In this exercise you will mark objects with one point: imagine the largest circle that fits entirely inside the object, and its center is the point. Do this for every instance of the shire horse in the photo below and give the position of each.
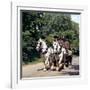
(52, 60)
(45, 52)
(57, 57)
(66, 57)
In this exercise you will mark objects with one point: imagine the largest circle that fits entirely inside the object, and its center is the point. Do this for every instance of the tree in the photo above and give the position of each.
(36, 24)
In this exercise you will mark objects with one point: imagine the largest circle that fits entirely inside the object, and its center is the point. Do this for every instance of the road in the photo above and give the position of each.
(36, 70)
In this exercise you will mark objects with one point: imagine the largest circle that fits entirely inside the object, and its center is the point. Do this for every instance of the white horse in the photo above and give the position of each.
(61, 59)
(47, 52)
(42, 46)
(67, 53)
(60, 51)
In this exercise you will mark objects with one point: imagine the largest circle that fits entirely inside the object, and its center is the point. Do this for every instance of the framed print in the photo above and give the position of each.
(48, 44)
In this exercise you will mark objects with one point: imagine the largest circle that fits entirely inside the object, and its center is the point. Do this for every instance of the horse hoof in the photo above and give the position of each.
(70, 66)
(53, 68)
(61, 66)
(44, 69)
(60, 69)
(65, 66)
(57, 68)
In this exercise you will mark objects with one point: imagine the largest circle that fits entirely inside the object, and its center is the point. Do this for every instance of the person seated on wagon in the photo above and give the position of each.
(67, 47)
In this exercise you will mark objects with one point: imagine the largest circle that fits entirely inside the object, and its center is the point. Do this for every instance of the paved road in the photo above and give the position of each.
(36, 70)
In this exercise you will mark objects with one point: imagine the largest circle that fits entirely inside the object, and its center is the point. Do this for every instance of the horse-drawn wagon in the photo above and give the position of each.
(57, 56)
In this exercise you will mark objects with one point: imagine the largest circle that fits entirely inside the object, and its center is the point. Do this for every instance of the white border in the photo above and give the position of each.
(15, 13)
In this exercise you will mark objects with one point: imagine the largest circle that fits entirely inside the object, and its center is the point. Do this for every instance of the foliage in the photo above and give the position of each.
(36, 24)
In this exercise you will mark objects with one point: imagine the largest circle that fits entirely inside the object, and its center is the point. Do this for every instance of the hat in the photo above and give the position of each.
(43, 37)
(55, 37)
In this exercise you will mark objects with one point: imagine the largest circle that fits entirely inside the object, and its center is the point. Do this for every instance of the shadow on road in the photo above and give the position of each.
(75, 70)
(73, 73)
(75, 67)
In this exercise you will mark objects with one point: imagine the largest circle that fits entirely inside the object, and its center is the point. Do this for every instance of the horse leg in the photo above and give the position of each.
(60, 64)
(57, 66)
(46, 64)
(70, 60)
(66, 61)
(52, 65)
(70, 57)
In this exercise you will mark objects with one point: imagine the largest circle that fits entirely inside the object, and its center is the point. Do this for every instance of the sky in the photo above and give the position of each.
(76, 18)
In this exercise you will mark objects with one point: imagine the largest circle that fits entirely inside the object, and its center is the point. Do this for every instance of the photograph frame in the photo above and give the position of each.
(16, 80)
